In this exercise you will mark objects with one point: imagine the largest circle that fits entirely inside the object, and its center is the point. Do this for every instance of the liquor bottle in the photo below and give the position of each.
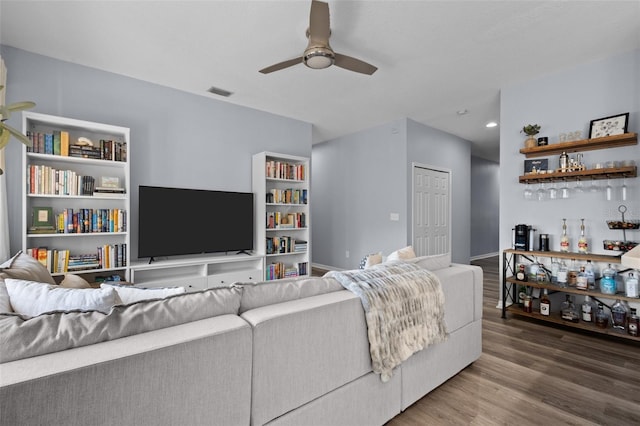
(572, 275)
(583, 245)
(555, 267)
(631, 285)
(541, 275)
(568, 310)
(545, 304)
(619, 314)
(581, 280)
(634, 323)
(521, 275)
(533, 272)
(589, 310)
(564, 240)
(608, 281)
(591, 275)
(602, 319)
(563, 274)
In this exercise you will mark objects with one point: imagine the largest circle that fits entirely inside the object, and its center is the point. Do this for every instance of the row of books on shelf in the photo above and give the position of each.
(283, 170)
(58, 143)
(279, 270)
(279, 220)
(287, 196)
(285, 244)
(58, 261)
(45, 180)
(81, 221)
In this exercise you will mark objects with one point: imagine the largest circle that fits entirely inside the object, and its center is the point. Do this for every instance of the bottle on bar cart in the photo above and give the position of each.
(583, 245)
(568, 310)
(564, 240)
(545, 304)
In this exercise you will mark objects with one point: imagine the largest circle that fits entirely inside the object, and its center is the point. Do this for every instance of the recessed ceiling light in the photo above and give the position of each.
(463, 111)
(492, 124)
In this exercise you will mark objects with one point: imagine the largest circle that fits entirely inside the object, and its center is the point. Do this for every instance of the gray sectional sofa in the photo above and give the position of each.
(291, 352)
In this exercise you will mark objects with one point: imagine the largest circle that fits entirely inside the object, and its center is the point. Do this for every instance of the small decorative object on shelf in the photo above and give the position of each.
(609, 126)
(624, 225)
(530, 130)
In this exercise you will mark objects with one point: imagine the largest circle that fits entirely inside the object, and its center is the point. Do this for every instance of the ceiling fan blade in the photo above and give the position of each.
(353, 64)
(319, 29)
(281, 65)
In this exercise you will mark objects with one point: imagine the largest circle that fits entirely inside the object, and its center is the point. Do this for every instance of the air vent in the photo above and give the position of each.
(219, 92)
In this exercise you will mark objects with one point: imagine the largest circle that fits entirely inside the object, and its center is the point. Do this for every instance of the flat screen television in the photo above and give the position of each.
(180, 221)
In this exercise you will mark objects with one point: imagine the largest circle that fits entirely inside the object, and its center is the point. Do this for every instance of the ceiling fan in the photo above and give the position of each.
(319, 54)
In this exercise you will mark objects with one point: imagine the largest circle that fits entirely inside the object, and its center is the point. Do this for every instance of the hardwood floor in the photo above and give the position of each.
(531, 373)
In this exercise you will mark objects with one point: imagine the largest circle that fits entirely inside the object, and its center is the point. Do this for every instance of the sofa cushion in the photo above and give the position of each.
(74, 281)
(31, 298)
(432, 262)
(24, 267)
(402, 254)
(5, 305)
(22, 337)
(255, 295)
(129, 294)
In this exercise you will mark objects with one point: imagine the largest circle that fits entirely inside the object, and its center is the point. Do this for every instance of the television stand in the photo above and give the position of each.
(198, 272)
(244, 252)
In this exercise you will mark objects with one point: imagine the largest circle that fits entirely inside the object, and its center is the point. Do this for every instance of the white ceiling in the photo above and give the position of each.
(434, 58)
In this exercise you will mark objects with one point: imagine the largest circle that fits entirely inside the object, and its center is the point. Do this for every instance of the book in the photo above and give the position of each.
(56, 142)
(64, 143)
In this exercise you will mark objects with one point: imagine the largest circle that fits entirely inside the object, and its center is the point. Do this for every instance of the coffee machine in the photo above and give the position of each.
(523, 237)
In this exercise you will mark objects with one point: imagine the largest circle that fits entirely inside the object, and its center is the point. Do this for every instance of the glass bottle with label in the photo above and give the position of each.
(608, 280)
(631, 285)
(572, 279)
(589, 310)
(591, 275)
(564, 240)
(555, 266)
(583, 245)
(619, 314)
(581, 281)
(541, 275)
(634, 323)
(545, 304)
(568, 310)
(602, 318)
(563, 274)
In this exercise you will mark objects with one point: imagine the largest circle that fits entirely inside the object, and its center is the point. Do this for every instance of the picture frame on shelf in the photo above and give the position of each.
(609, 126)
(42, 218)
(538, 165)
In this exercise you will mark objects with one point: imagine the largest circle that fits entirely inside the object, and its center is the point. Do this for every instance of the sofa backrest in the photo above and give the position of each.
(256, 295)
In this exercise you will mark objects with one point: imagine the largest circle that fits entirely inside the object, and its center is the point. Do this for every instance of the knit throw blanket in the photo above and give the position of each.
(404, 311)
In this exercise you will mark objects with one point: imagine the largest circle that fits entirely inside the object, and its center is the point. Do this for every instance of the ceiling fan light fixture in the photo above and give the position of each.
(318, 58)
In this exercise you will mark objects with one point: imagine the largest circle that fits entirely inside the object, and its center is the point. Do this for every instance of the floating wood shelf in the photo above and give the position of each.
(610, 173)
(616, 141)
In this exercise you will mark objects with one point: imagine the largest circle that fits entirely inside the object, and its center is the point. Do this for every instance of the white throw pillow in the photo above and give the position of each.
(32, 298)
(130, 294)
(402, 254)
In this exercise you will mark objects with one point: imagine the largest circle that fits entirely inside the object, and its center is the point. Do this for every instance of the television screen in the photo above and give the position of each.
(175, 221)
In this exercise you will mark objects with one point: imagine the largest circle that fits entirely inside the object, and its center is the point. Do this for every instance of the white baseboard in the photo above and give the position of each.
(484, 256)
(327, 267)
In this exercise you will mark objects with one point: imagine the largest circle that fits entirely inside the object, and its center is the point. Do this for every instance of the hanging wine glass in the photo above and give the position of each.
(564, 190)
(541, 193)
(608, 190)
(553, 191)
(578, 188)
(594, 186)
(623, 190)
(528, 192)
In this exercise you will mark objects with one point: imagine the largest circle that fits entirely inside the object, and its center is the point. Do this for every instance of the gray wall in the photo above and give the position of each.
(357, 181)
(177, 139)
(366, 176)
(485, 207)
(561, 102)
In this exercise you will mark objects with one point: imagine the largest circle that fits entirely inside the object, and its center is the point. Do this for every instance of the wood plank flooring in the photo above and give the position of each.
(531, 373)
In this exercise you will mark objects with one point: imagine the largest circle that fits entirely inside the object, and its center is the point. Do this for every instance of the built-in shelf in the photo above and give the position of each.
(616, 141)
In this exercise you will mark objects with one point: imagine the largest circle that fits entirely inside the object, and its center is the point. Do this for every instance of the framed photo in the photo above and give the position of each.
(42, 218)
(609, 126)
(537, 165)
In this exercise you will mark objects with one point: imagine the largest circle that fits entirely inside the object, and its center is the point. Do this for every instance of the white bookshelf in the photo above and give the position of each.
(293, 211)
(54, 196)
